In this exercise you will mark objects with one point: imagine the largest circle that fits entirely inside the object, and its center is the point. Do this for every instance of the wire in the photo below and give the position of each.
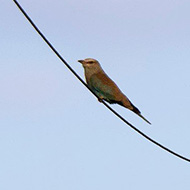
(79, 78)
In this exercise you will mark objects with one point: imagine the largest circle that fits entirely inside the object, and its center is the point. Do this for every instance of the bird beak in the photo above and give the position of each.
(81, 61)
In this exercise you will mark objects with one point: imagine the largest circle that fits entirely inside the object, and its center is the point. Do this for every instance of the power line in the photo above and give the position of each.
(79, 78)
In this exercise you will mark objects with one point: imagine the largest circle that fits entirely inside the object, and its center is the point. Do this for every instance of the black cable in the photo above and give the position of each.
(76, 75)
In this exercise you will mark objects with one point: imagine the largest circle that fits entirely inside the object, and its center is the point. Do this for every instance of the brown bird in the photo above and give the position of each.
(99, 82)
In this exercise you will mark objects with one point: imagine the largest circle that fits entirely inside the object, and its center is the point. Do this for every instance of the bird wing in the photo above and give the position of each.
(103, 86)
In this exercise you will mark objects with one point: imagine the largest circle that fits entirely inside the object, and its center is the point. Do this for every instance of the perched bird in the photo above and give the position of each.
(99, 82)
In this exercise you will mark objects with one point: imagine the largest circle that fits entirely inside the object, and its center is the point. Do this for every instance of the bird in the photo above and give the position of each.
(104, 87)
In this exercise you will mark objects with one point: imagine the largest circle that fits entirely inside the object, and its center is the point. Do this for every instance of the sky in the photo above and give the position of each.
(54, 134)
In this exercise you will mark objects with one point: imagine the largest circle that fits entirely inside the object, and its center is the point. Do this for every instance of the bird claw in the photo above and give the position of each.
(100, 100)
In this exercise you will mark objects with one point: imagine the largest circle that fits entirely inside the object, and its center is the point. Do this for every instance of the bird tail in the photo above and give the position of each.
(127, 103)
(144, 118)
(136, 110)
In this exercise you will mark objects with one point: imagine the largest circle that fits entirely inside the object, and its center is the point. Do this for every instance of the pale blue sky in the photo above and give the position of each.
(55, 135)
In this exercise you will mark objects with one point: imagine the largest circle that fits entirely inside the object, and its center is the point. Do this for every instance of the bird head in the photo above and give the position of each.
(89, 63)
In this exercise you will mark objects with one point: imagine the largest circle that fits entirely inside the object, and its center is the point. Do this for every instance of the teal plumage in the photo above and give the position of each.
(104, 87)
(98, 84)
